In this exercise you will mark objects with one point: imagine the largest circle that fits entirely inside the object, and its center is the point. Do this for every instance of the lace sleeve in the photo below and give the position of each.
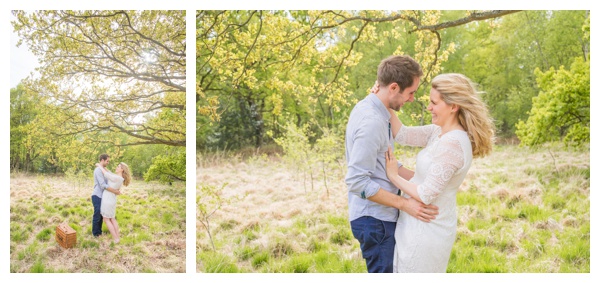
(415, 136)
(448, 158)
(112, 176)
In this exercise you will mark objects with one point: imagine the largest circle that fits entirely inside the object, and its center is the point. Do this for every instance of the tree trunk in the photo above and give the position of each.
(259, 123)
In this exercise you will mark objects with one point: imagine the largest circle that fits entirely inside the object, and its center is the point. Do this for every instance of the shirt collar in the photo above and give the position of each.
(379, 106)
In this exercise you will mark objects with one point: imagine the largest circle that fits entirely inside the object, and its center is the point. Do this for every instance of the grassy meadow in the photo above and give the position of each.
(151, 219)
(519, 210)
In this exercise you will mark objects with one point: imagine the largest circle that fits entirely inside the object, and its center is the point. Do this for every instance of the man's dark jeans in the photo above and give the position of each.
(377, 242)
(97, 219)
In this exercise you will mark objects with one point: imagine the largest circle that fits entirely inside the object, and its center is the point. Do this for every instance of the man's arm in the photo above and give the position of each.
(362, 158)
(116, 192)
(99, 178)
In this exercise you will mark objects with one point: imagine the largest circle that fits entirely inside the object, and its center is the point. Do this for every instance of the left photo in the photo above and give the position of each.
(97, 141)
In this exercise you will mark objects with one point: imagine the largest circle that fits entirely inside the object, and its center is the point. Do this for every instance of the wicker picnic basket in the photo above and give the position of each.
(66, 236)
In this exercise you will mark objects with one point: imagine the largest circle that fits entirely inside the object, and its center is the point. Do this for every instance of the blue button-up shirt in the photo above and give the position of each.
(368, 136)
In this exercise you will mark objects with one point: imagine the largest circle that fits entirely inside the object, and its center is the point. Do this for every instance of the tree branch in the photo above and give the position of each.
(474, 17)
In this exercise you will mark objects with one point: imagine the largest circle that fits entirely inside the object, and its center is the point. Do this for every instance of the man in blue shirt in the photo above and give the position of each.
(373, 201)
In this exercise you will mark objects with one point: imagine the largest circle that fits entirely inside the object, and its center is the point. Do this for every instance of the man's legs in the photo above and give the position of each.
(97, 218)
(377, 242)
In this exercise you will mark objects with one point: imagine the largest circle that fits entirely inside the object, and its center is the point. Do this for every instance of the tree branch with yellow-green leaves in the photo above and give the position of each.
(127, 67)
(235, 45)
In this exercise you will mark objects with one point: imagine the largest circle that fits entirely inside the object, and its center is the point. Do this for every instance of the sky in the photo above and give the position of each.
(22, 61)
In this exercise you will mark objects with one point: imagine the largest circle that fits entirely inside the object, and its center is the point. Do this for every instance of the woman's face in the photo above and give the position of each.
(440, 111)
(119, 169)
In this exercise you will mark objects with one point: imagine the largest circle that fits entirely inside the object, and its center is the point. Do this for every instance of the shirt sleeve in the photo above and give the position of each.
(99, 178)
(112, 176)
(362, 160)
(415, 136)
(447, 159)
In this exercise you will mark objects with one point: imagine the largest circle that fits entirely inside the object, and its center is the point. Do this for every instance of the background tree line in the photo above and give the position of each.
(264, 76)
(109, 81)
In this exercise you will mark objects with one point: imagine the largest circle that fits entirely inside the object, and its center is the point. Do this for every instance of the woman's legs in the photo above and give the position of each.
(111, 228)
(116, 225)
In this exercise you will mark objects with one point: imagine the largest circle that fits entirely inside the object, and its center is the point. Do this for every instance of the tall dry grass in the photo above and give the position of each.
(520, 210)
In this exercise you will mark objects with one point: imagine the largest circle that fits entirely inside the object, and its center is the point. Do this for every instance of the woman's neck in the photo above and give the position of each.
(454, 125)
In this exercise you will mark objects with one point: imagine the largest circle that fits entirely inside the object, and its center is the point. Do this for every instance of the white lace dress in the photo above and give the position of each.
(441, 167)
(108, 206)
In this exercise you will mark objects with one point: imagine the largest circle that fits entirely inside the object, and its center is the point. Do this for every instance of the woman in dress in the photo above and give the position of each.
(108, 207)
(461, 129)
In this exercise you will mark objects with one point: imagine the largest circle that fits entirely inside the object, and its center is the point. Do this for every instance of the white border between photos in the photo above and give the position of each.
(191, 6)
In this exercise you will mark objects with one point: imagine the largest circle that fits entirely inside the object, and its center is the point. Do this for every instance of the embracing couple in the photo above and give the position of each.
(404, 220)
(107, 186)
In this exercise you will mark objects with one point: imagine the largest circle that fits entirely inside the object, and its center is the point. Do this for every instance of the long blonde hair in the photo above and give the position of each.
(473, 114)
(126, 174)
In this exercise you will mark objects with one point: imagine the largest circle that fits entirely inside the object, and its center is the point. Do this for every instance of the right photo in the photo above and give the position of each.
(393, 141)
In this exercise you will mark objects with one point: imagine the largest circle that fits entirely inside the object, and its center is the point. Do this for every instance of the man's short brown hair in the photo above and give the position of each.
(400, 69)
(103, 156)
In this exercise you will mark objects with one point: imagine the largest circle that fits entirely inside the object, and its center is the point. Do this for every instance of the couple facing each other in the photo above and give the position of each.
(405, 221)
(107, 186)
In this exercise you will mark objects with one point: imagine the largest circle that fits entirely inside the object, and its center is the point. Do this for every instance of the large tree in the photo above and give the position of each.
(24, 108)
(110, 72)
(108, 81)
(257, 70)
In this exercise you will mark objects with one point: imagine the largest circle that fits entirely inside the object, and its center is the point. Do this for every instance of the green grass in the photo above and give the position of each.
(300, 263)
(246, 252)
(167, 217)
(518, 212)
(260, 258)
(17, 234)
(30, 252)
(89, 244)
(478, 260)
(34, 219)
(342, 237)
(218, 263)
(532, 213)
(38, 267)
(44, 235)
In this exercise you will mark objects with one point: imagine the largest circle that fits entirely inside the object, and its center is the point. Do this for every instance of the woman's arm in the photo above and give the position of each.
(395, 122)
(411, 135)
(104, 170)
(406, 173)
(109, 175)
(397, 180)
(447, 159)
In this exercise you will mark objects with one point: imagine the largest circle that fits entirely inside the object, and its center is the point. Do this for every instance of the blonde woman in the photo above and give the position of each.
(461, 129)
(108, 207)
